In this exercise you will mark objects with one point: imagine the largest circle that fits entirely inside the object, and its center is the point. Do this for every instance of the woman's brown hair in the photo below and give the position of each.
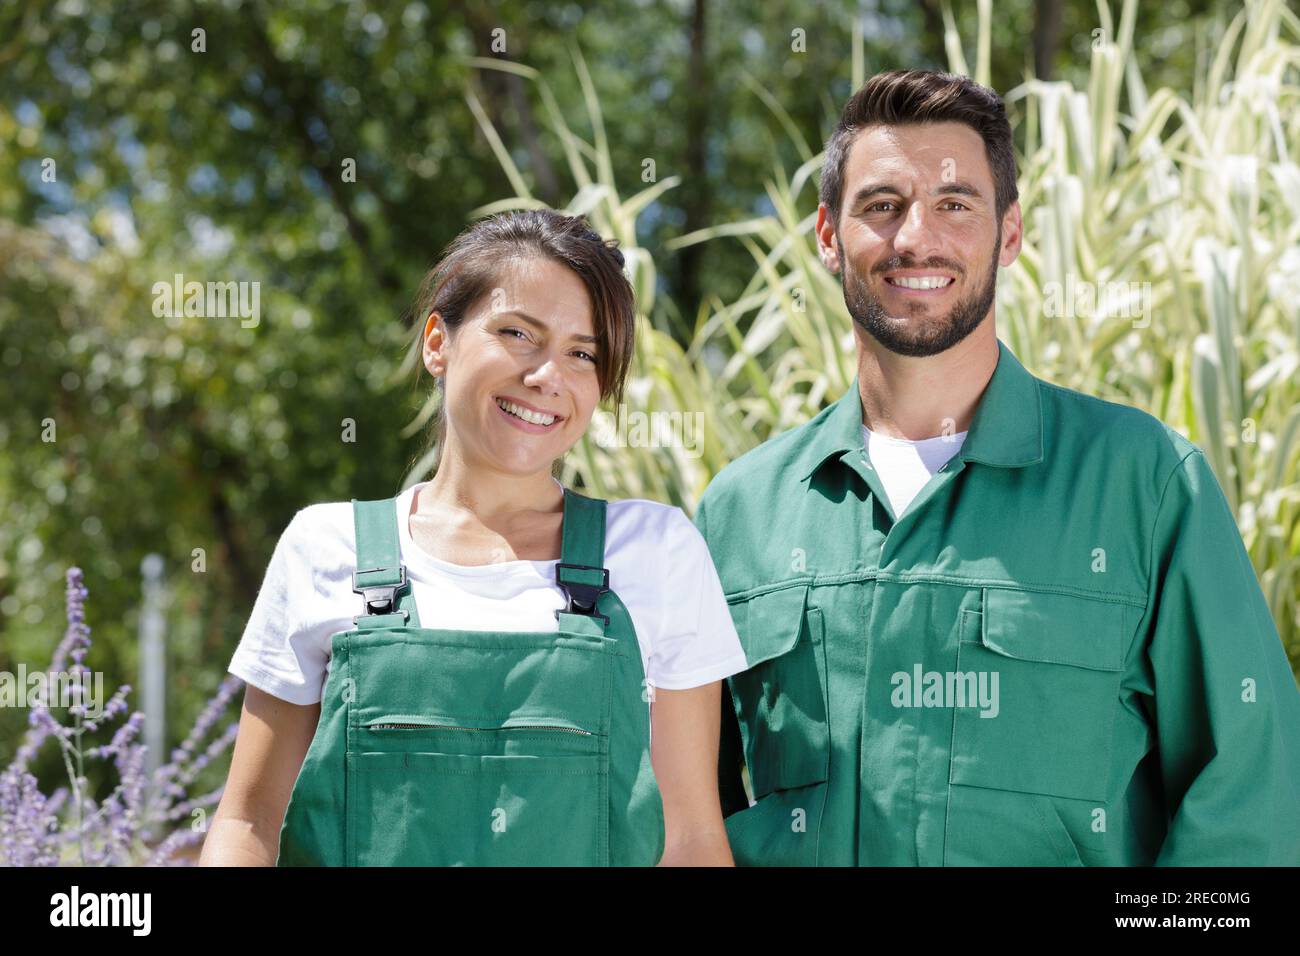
(470, 268)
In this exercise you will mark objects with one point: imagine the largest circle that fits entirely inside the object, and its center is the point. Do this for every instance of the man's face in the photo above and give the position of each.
(918, 210)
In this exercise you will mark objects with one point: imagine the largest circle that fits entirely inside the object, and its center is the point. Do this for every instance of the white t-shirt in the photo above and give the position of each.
(659, 566)
(905, 467)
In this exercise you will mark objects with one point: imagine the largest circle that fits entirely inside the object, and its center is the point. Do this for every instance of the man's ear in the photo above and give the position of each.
(434, 345)
(1012, 234)
(825, 231)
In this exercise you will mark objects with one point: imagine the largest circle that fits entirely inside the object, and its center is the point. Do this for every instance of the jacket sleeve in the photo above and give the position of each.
(731, 760)
(1225, 703)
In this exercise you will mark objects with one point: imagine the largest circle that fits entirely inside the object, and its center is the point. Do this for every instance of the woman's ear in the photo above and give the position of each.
(435, 345)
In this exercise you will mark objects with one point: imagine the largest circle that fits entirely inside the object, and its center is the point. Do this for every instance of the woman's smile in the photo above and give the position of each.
(537, 422)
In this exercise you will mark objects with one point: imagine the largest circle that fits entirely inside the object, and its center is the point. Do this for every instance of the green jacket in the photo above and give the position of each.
(1059, 655)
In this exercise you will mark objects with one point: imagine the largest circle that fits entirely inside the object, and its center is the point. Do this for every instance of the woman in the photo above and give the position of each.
(474, 672)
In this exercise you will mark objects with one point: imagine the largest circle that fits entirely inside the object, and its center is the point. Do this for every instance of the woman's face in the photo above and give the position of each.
(526, 348)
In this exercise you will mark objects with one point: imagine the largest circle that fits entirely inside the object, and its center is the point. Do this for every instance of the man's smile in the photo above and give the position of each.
(925, 284)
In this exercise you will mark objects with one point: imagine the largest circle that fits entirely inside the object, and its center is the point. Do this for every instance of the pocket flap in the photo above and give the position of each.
(1054, 628)
(769, 624)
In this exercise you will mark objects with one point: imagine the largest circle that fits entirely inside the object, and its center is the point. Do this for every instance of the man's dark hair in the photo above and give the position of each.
(904, 97)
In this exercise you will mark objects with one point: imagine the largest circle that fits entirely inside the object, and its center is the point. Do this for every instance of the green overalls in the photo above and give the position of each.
(480, 748)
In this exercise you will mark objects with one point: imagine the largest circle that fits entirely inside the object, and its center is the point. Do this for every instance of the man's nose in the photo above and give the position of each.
(916, 234)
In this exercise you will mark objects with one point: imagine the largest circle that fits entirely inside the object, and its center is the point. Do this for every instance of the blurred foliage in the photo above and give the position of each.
(185, 433)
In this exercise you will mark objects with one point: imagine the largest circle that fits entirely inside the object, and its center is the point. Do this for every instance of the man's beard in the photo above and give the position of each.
(920, 333)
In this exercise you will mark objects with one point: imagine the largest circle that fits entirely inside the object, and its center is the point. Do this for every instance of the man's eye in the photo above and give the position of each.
(953, 202)
(874, 206)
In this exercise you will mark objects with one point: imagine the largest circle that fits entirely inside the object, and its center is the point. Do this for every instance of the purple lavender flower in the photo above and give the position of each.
(133, 824)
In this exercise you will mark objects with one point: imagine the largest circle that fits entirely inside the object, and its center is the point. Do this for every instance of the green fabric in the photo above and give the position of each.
(1079, 550)
(515, 748)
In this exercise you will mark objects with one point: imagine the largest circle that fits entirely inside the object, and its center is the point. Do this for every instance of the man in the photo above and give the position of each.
(988, 620)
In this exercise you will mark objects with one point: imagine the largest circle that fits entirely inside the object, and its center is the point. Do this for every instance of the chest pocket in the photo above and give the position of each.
(781, 700)
(1058, 660)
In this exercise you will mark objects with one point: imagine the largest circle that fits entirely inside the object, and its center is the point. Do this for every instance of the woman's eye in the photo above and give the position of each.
(523, 335)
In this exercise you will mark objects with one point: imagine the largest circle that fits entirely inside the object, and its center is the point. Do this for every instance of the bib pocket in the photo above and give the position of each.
(1057, 660)
(450, 809)
(781, 699)
(514, 736)
(440, 790)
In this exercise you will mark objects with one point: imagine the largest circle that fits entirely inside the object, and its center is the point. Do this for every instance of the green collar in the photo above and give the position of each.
(1007, 430)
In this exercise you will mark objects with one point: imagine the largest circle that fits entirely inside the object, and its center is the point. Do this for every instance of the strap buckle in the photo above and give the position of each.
(582, 597)
(380, 598)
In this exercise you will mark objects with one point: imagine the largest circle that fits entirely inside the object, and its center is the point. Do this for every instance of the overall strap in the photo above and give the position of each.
(380, 577)
(581, 571)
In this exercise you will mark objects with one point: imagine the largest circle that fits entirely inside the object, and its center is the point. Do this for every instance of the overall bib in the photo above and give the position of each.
(480, 748)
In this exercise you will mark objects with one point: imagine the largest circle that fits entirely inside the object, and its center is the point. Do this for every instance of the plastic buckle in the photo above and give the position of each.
(582, 597)
(385, 599)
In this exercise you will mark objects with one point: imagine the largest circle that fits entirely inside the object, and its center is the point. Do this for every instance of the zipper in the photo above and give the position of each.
(396, 726)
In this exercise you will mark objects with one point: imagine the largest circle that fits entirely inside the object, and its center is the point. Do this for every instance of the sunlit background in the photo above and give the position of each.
(328, 152)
